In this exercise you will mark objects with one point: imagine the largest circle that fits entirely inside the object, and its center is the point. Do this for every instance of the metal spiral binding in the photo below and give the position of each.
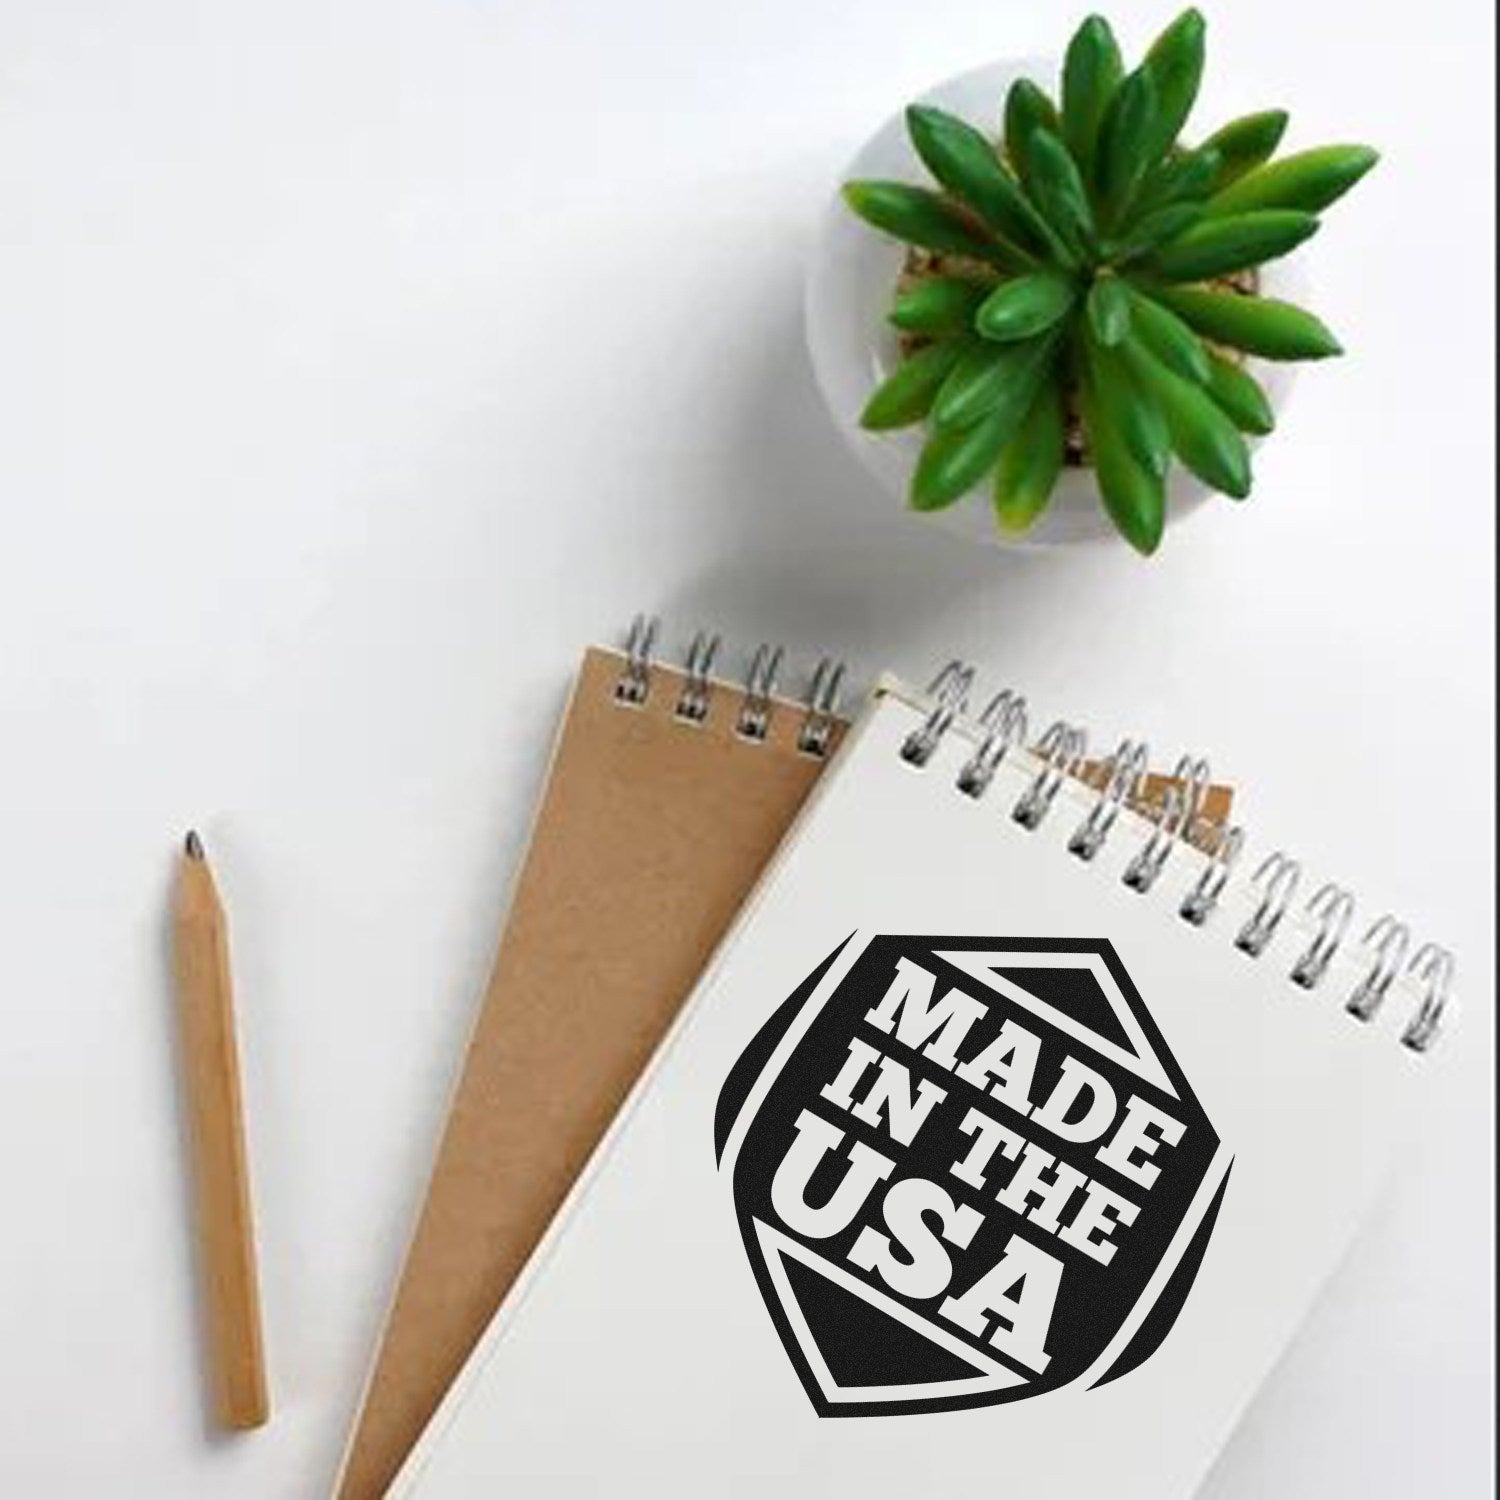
(822, 707)
(697, 691)
(1330, 910)
(753, 716)
(1279, 876)
(1123, 774)
(1433, 967)
(1004, 725)
(1333, 908)
(1175, 820)
(949, 692)
(1387, 941)
(634, 684)
(1198, 905)
(760, 685)
(1061, 750)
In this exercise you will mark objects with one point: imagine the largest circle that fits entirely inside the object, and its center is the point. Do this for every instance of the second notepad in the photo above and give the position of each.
(1005, 1144)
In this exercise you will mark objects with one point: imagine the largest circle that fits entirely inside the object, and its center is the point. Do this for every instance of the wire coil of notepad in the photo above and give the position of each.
(1330, 910)
(756, 701)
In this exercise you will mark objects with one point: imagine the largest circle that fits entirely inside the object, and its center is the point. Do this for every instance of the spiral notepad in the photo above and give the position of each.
(1001, 1149)
(669, 789)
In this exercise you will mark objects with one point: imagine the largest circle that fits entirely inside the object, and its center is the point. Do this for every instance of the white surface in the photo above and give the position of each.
(640, 1323)
(361, 361)
(851, 273)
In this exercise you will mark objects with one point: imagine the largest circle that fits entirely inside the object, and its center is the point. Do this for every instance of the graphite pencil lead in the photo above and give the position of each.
(193, 845)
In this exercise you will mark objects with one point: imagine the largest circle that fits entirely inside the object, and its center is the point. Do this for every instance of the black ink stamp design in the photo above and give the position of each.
(967, 1171)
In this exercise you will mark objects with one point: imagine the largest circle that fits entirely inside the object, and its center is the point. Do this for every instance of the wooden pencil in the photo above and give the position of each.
(216, 1125)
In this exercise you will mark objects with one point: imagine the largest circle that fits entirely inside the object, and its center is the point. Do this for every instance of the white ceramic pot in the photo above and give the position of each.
(849, 289)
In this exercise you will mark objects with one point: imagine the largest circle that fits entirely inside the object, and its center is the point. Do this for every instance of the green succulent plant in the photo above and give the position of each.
(1087, 281)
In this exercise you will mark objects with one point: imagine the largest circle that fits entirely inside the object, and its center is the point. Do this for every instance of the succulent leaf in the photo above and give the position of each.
(1134, 495)
(1258, 325)
(1175, 63)
(1058, 190)
(969, 166)
(938, 305)
(1027, 109)
(1126, 149)
(1188, 177)
(1203, 437)
(1109, 311)
(1245, 143)
(1239, 396)
(1092, 70)
(1167, 337)
(976, 381)
(954, 459)
(1219, 246)
(1028, 469)
(1026, 305)
(907, 394)
(924, 218)
(1131, 410)
(990, 376)
(1310, 181)
(1153, 229)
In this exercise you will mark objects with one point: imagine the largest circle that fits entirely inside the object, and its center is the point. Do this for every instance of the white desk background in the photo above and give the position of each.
(361, 361)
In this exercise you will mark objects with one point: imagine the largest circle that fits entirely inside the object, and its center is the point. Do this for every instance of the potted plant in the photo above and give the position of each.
(1077, 295)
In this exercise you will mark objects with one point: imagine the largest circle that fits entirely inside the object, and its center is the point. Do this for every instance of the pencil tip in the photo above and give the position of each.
(193, 845)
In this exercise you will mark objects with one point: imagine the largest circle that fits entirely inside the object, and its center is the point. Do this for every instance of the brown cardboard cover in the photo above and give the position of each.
(649, 835)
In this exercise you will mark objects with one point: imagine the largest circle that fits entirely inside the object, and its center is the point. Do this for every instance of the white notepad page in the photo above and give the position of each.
(792, 1270)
